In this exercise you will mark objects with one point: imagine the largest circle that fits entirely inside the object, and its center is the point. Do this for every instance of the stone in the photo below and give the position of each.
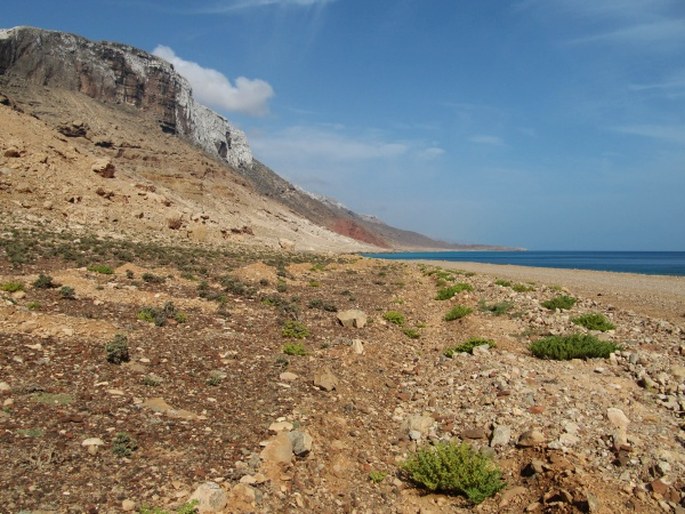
(74, 129)
(12, 152)
(617, 418)
(325, 379)
(5, 387)
(278, 450)
(211, 498)
(659, 486)
(287, 376)
(104, 168)
(242, 498)
(161, 406)
(510, 494)
(286, 244)
(92, 444)
(352, 318)
(593, 502)
(128, 505)
(473, 433)
(678, 373)
(421, 424)
(530, 438)
(501, 434)
(301, 442)
(357, 346)
(280, 426)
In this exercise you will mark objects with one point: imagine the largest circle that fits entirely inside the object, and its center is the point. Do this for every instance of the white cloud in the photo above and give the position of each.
(670, 133)
(674, 86)
(214, 89)
(485, 139)
(432, 152)
(228, 6)
(660, 31)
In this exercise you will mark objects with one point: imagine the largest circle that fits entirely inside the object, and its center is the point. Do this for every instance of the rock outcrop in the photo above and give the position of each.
(120, 74)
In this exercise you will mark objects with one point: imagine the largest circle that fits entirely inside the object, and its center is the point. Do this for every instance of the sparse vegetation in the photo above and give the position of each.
(12, 287)
(151, 278)
(117, 349)
(44, 282)
(448, 292)
(317, 303)
(575, 346)
(187, 508)
(454, 468)
(503, 283)
(411, 333)
(562, 302)
(103, 269)
(468, 346)
(67, 293)
(160, 316)
(377, 476)
(294, 329)
(394, 317)
(594, 321)
(498, 309)
(294, 349)
(523, 288)
(457, 312)
(123, 445)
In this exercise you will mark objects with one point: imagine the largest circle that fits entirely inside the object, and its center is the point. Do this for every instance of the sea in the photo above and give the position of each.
(647, 263)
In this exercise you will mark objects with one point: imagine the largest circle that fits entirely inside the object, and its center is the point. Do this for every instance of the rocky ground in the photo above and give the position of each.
(210, 405)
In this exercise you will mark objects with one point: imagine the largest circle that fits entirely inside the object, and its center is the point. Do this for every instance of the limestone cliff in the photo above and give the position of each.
(120, 74)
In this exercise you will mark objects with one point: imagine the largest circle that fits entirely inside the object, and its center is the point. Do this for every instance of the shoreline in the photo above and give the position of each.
(659, 296)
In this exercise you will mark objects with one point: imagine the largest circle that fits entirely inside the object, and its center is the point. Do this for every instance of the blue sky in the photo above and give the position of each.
(546, 124)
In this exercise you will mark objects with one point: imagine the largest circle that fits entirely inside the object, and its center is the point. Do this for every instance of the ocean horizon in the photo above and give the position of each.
(646, 263)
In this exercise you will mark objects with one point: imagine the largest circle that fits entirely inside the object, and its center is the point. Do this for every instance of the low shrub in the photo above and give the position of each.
(317, 303)
(575, 346)
(523, 288)
(123, 445)
(101, 268)
(503, 283)
(454, 468)
(294, 349)
(377, 476)
(458, 312)
(594, 321)
(560, 302)
(394, 317)
(151, 278)
(44, 282)
(67, 293)
(117, 349)
(294, 329)
(12, 287)
(411, 333)
(468, 346)
(498, 309)
(448, 292)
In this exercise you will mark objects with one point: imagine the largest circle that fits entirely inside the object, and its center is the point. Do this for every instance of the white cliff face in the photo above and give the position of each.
(114, 72)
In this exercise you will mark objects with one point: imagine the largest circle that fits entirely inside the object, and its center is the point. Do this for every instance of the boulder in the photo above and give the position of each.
(211, 498)
(352, 318)
(104, 168)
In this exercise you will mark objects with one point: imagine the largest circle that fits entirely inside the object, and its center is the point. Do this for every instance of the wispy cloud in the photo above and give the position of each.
(228, 6)
(668, 133)
(214, 89)
(673, 86)
(485, 139)
(661, 31)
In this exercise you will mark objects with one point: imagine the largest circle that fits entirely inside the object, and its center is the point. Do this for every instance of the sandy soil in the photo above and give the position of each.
(653, 295)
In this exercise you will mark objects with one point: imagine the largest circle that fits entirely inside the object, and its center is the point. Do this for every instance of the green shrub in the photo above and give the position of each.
(281, 286)
(454, 468)
(317, 303)
(498, 309)
(448, 292)
(44, 282)
(151, 278)
(12, 287)
(117, 349)
(560, 302)
(377, 476)
(67, 293)
(411, 333)
(523, 288)
(123, 445)
(294, 349)
(458, 312)
(33, 306)
(187, 508)
(394, 317)
(294, 329)
(575, 346)
(503, 283)
(101, 268)
(468, 346)
(594, 321)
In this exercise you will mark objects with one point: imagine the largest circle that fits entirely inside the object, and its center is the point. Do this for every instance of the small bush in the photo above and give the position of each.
(594, 321)
(215, 378)
(294, 329)
(503, 283)
(281, 286)
(468, 346)
(560, 302)
(377, 476)
(458, 312)
(123, 445)
(411, 333)
(448, 292)
(498, 309)
(294, 349)
(151, 278)
(394, 317)
(101, 268)
(12, 287)
(523, 288)
(33, 306)
(44, 282)
(67, 293)
(317, 303)
(575, 346)
(117, 349)
(454, 468)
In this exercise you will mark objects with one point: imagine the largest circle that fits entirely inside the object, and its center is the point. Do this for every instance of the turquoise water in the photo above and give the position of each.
(649, 263)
